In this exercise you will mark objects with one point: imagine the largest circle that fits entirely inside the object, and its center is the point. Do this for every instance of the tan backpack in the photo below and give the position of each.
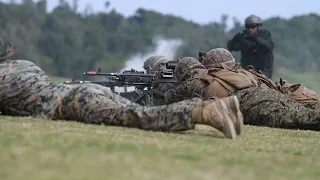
(298, 92)
(262, 79)
(224, 82)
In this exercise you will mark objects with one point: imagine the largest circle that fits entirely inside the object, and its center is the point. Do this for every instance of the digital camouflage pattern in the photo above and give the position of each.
(25, 90)
(260, 105)
(158, 93)
(184, 66)
(188, 88)
(222, 58)
(218, 57)
(188, 85)
(267, 107)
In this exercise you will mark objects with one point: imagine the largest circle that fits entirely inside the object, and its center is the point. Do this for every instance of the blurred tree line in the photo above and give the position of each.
(66, 42)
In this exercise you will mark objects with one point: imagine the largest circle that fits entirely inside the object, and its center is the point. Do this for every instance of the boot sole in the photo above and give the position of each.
(235, 107)
(229, 129)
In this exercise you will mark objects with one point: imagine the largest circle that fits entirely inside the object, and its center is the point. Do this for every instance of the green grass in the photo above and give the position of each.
(33, 149)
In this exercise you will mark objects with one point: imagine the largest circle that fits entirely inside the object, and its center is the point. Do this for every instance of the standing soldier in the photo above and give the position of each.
(255, 44)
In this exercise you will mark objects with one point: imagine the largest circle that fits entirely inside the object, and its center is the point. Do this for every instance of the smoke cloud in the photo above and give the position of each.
(164, 47)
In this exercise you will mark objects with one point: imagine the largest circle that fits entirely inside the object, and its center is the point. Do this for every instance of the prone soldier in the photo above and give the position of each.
(158, 64)
(26, 90)
(260, 105)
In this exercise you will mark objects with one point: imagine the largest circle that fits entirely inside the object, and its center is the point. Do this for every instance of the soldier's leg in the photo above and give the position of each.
(267, 107)
(313, 105)
(90, 105)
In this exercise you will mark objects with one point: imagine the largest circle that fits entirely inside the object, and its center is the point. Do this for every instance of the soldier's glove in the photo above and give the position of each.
(252, 37)
(239, 35)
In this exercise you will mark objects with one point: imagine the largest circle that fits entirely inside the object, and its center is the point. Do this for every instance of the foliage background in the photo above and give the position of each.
(65, 42)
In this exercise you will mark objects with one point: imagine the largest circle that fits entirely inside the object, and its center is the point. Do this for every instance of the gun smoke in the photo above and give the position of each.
(164, 47)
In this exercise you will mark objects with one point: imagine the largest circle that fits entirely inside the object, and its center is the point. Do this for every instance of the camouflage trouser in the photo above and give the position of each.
(267, 107)
(88, 104)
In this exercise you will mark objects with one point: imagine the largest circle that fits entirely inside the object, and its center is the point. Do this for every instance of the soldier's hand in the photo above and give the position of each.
(252, 36)
(239, 35)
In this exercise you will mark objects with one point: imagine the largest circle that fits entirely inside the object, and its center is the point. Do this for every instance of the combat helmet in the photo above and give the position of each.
(149, 63)
(219, 57)
(160, 63)
(252, 21)
(6, 50)
(185, 65)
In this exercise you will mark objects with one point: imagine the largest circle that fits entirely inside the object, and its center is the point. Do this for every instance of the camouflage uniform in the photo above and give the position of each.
(26, 91)
(267, 107)
(222, 58)
(158, 63)
(189, 86)
(260, 106)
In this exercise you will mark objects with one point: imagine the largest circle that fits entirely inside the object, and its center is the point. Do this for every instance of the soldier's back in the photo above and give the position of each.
(21, 84)
(26, 90)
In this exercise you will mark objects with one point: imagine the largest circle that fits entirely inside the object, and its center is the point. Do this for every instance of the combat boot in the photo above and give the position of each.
(235, 113)
(216, 114)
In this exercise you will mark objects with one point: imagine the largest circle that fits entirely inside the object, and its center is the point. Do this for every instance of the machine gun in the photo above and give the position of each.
(139, 79)
(110, 84)
(136, 78)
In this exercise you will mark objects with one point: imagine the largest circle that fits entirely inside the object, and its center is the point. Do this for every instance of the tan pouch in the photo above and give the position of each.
(299, 93)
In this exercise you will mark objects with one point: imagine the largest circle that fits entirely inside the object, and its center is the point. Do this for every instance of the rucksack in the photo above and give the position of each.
(298, 92)
(262, 79)
(224, 82)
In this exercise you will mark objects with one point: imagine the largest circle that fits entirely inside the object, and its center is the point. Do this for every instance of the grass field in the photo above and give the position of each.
(33, 149)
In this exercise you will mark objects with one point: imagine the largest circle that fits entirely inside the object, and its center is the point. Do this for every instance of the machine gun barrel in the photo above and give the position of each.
(134, 74)
(94, 73)
(104, 83)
